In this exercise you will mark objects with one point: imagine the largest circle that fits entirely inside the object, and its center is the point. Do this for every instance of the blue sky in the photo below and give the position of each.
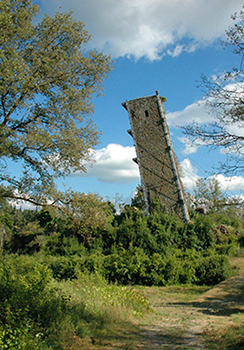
(162, 45)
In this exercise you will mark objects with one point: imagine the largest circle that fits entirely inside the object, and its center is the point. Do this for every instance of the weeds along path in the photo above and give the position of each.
(186, 316)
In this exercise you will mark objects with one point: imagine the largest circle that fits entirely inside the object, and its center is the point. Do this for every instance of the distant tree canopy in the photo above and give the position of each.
(47, 79)
(208, 194)
(224, 96)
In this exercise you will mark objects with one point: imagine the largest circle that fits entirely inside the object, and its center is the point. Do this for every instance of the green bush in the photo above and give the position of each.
(64, 246)
(69, 267)
(212, 270)
(63, 267)
(133, 266)
(29, 303)
(158, 249)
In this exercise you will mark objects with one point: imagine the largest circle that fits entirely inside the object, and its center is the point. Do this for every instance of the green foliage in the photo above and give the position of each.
(202, 232)
(47, 81)
(63, 246)
(212, 270)
(79, 215)
(126, 248)
(208, 194)
(98, 294)
(20, 230)
(70, 267)
(133, 230)
(29, 304)
(60, 283)
(138, 200)
(135, 267)
(128, 266)
(39, 313)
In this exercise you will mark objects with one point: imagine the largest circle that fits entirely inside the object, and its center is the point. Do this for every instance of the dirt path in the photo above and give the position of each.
(183, 324)
(164, 338)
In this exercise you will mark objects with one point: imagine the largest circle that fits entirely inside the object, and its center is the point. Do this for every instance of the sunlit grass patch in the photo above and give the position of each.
(174, 293)
(98, 296)
(102, 312)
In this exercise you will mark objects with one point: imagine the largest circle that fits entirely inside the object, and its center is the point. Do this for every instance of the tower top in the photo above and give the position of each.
(163, 99)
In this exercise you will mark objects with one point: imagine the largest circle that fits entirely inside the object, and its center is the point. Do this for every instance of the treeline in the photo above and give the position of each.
(126, 248)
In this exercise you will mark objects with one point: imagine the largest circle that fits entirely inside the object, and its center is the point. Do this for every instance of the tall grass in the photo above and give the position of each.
(38, 312)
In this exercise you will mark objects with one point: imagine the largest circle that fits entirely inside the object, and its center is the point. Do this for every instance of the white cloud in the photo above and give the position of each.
(113, 164)
(176, 51)
(150, 28)
(237, 198)
(189, 146)
(188, 174)
(189, 177)
(23, 205)
(232, 183)
(231, 95)
(236, 129)
(194, 112)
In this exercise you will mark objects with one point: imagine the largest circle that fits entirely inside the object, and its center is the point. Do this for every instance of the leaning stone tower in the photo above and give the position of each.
(155, 156)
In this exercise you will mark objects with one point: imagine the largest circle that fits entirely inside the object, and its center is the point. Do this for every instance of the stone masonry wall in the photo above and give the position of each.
(156, 168)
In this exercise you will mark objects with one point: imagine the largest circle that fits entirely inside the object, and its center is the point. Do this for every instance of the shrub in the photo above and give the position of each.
(212, 270)
(63, 267)
(68, 267)
(29, 303)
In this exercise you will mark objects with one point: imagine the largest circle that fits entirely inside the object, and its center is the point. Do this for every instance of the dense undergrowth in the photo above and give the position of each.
(60, 284)
(132, 249)
(38, 312)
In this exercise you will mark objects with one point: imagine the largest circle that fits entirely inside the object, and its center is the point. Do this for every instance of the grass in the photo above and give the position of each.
(228, 334)
(38, 312)
(172, 317)
(94, 315)
(174, 321)
(186, 317)
(102, 316)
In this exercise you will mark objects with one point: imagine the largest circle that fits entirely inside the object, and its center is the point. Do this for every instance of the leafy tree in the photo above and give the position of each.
(77, 214)
(19, 230)
(6, 222)
(208, 194)
(47, 79)
(224, 98)
(138, 199)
